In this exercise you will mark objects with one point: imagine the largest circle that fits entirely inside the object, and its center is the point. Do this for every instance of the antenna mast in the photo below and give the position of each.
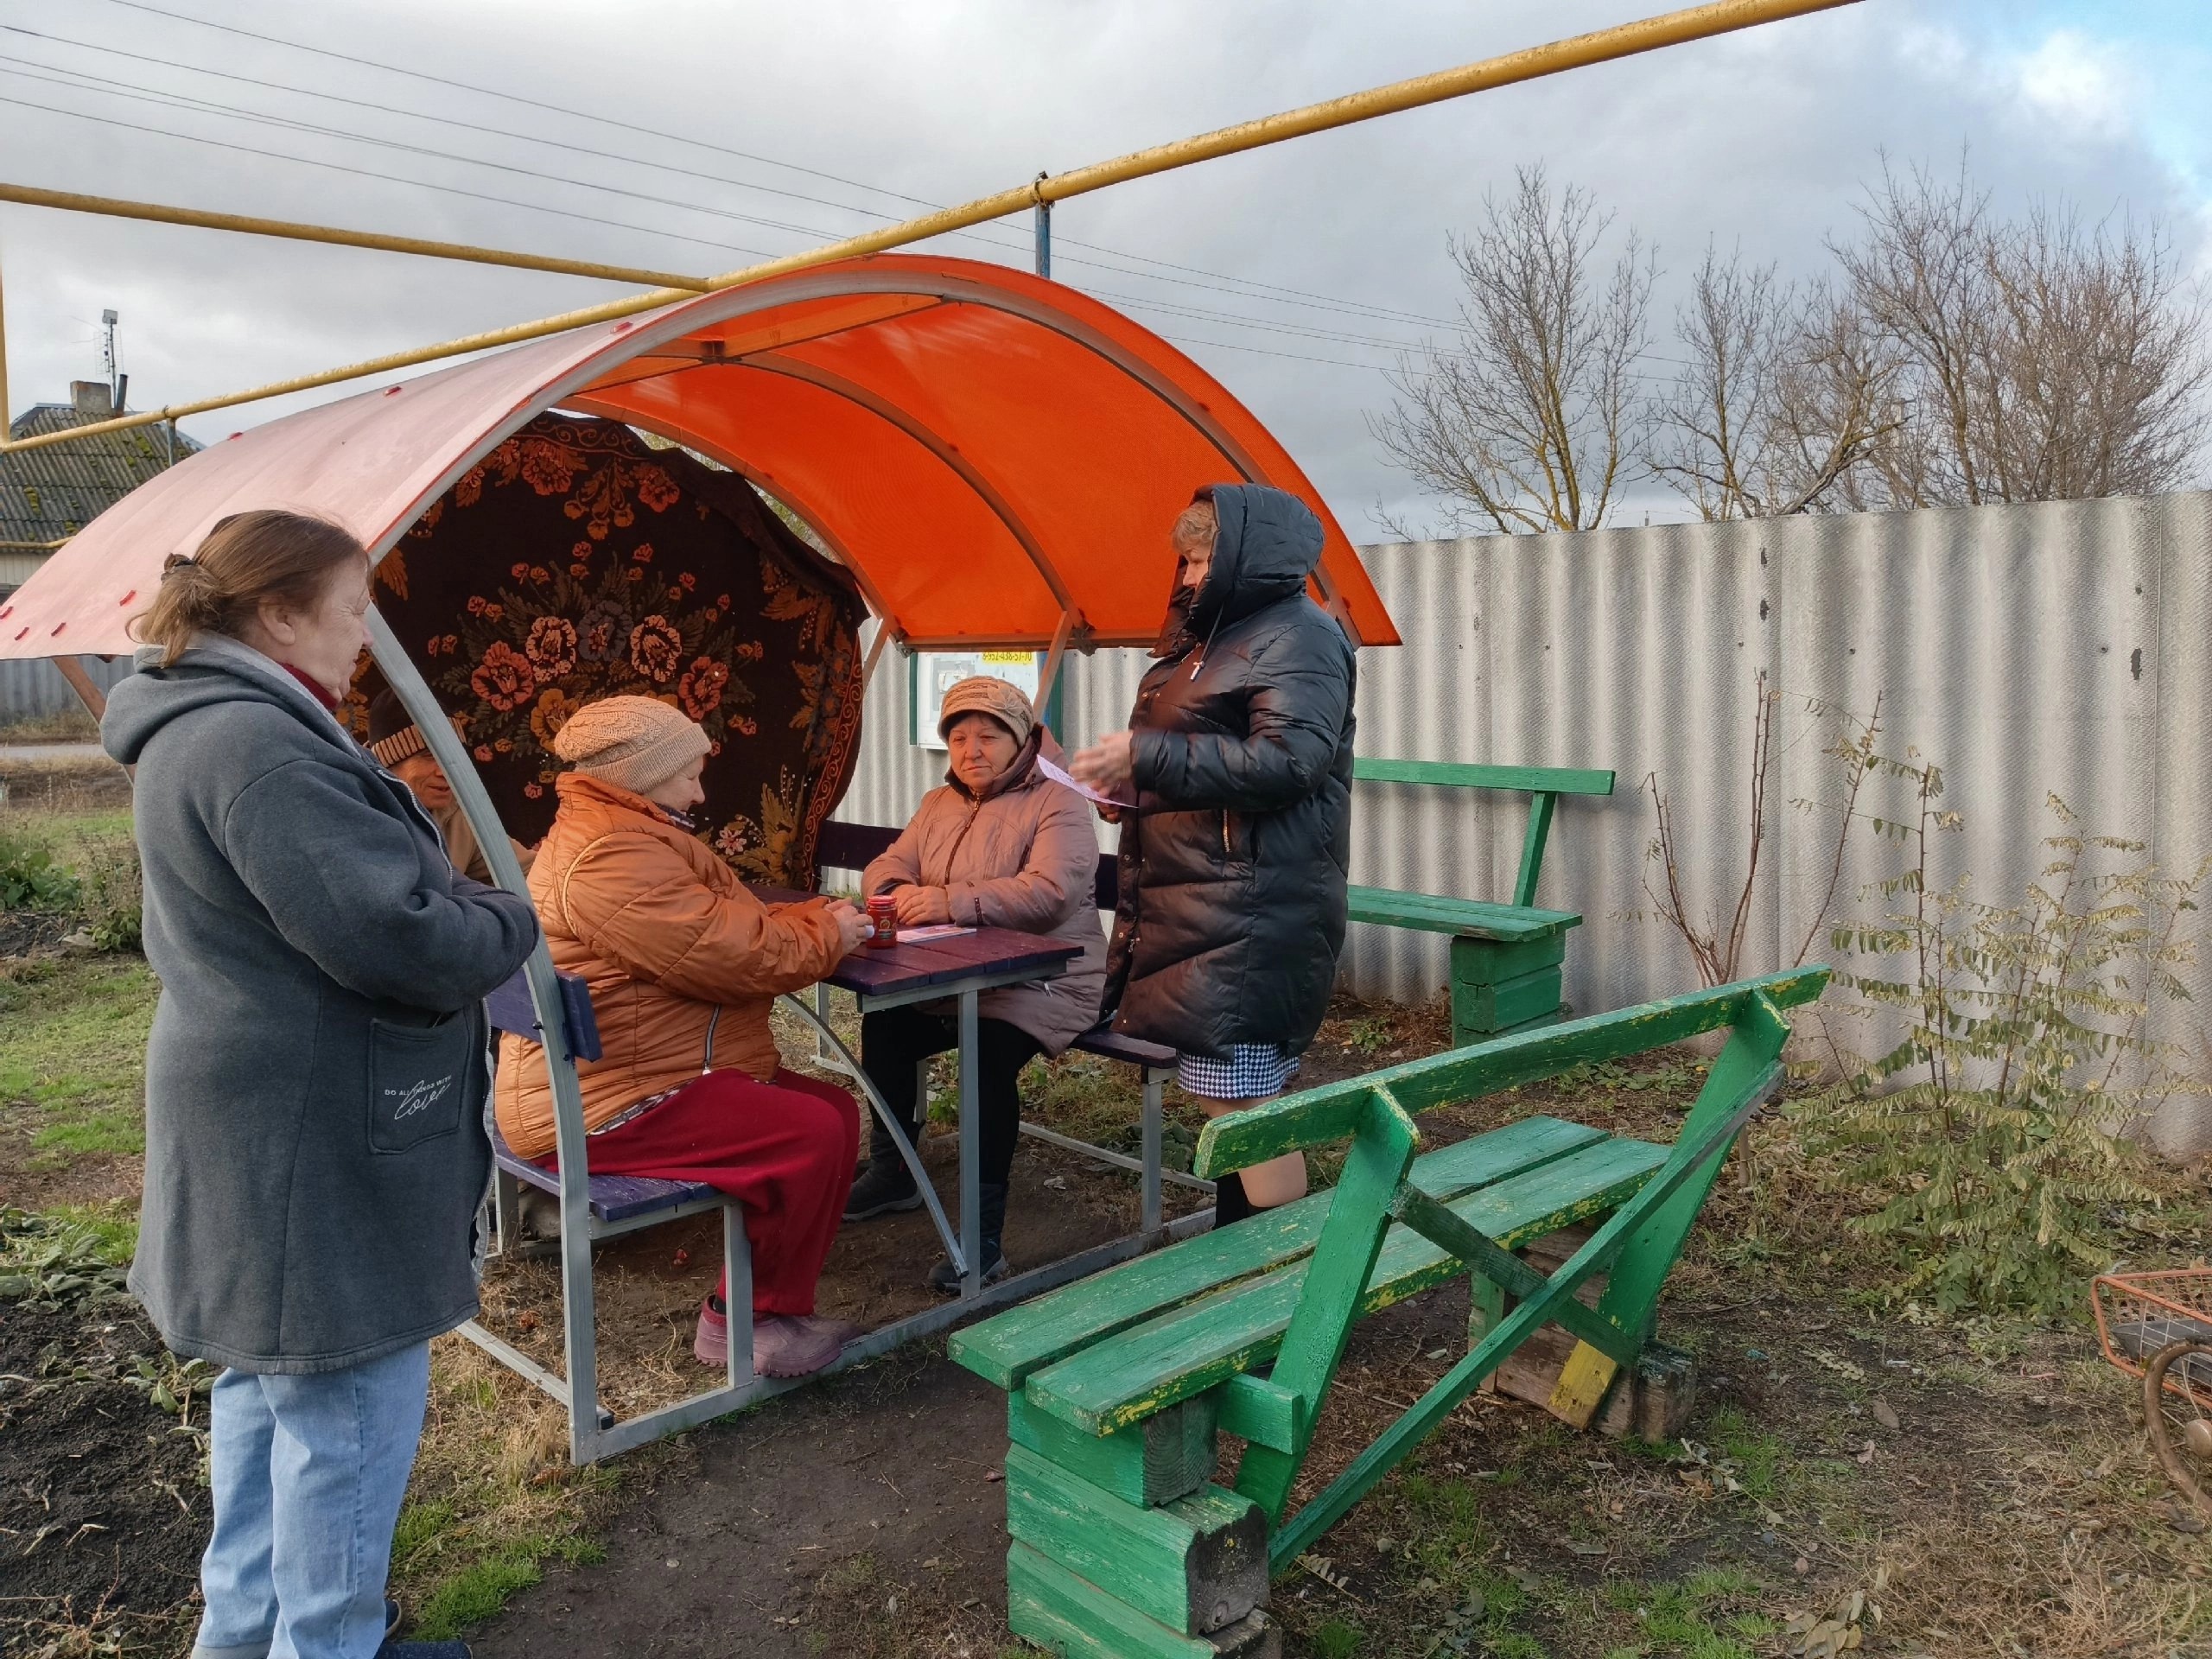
(116, 382)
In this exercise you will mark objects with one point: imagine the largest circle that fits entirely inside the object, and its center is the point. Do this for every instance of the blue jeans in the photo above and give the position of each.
(309, 1473)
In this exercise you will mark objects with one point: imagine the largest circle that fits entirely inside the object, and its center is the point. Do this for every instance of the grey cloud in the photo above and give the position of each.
(1761, 140)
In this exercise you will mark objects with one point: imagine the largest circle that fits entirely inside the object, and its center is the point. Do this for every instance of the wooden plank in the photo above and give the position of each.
(1562, 780)
(1436, 912)
(1006, 1349)
(1582, 1384)
(1106, 1388)
(1532, 845)
(1507, 1061)
(1480, 1010)
(1070, 1616)
(1438, 1224)
(1262, 1410)
(869, 971)
(1484, 962)
(1196, 1564)
(1109, 1044)
(1164, 1458)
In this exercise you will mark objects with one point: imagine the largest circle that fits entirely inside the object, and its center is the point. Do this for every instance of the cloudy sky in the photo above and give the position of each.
(707, 133)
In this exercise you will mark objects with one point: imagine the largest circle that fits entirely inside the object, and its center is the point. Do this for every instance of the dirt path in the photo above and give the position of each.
(840, 1519)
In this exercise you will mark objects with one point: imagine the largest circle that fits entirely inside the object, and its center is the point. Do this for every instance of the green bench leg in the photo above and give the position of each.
(1066, 1614)
(1336, 1279)
(1166, 1456)
(1197, 1564)
(1499, 987)
(1632, 1296)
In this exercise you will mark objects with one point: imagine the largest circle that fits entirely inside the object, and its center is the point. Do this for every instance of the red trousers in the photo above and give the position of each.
(785, 1149)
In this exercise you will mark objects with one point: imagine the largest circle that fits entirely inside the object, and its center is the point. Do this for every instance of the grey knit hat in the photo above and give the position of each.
(633, 743)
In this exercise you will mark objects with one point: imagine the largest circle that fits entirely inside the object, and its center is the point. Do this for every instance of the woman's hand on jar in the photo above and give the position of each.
(1108, 766)
(852, 925)
(923, 906)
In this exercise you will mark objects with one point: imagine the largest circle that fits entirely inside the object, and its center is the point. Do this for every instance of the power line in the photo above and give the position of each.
(1297, 295)
(131, 93)
(383, 109)
(134, 92)
(388, 178)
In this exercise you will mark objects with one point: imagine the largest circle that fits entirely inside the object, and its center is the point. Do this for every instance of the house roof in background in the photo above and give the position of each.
(56, 491)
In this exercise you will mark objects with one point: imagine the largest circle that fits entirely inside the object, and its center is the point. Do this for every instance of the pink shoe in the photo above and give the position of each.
(841, 1331)
(787, 1345)
(710, 1342)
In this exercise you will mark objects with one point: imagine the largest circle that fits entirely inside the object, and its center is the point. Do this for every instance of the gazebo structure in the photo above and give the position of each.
(992, 457)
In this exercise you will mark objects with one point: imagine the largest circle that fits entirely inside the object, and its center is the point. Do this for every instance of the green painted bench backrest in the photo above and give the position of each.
(1545, 785)
(1315, 1117)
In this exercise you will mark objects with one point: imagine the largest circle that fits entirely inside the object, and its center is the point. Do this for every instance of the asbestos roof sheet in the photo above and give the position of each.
(48, 493)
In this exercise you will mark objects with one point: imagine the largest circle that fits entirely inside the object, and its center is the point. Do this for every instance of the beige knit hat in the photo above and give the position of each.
(633, 743)
(1007, 703)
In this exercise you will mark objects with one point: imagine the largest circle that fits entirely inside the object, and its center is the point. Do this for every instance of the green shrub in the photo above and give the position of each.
(1994, 1131)
(111, 895)
(29, 878)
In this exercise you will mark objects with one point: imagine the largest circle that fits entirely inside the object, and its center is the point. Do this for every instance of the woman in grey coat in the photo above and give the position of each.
(315, 1079)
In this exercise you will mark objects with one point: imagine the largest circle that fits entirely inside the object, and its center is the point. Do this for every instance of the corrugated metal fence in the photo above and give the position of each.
(32, 689)
(2058, 649)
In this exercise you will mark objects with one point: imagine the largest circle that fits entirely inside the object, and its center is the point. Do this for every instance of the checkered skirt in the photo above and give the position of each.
(1252, 1072)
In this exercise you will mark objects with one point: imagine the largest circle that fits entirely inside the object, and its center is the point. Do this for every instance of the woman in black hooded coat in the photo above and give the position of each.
(1238, 757)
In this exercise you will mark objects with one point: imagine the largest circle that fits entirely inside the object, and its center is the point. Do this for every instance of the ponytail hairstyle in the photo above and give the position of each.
(250, 557)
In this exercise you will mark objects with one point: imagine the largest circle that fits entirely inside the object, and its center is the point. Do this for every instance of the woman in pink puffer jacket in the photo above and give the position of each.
(998, 845)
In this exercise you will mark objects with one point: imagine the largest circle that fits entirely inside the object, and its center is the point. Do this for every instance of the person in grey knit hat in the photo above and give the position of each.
(630, 742)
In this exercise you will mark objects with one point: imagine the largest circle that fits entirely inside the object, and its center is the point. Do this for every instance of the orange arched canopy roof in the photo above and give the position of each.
(994, 456)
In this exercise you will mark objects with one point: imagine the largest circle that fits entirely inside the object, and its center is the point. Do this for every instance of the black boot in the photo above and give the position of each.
(885, 1184)
(992, 1206)
(1229, 1202)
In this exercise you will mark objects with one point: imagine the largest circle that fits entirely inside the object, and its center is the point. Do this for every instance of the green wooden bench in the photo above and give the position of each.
(1506, 959)
(1119, 1386)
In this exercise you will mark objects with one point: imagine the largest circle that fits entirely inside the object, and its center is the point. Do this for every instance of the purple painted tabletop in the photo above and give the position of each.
(986, 952)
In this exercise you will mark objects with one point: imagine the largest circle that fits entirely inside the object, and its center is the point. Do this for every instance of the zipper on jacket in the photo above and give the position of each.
(1226, 851)
(713, 1020)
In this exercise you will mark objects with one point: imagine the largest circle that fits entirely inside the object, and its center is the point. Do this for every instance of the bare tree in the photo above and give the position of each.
(2096, 383)
(1528, 421)
(2035, 360)
(1710, 428)
(1835, 399)
(1781, 393)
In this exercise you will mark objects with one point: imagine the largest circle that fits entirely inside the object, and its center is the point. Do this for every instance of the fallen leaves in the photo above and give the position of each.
(1326, 1570)
(1844, 1630)
(1885, 1414)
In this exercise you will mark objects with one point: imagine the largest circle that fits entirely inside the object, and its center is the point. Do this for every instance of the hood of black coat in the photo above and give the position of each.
(1267, 545)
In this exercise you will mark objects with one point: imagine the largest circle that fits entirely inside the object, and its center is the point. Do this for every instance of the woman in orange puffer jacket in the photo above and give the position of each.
(683, 965)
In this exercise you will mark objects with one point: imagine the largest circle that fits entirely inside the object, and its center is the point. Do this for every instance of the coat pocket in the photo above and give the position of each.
(418, 1080)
